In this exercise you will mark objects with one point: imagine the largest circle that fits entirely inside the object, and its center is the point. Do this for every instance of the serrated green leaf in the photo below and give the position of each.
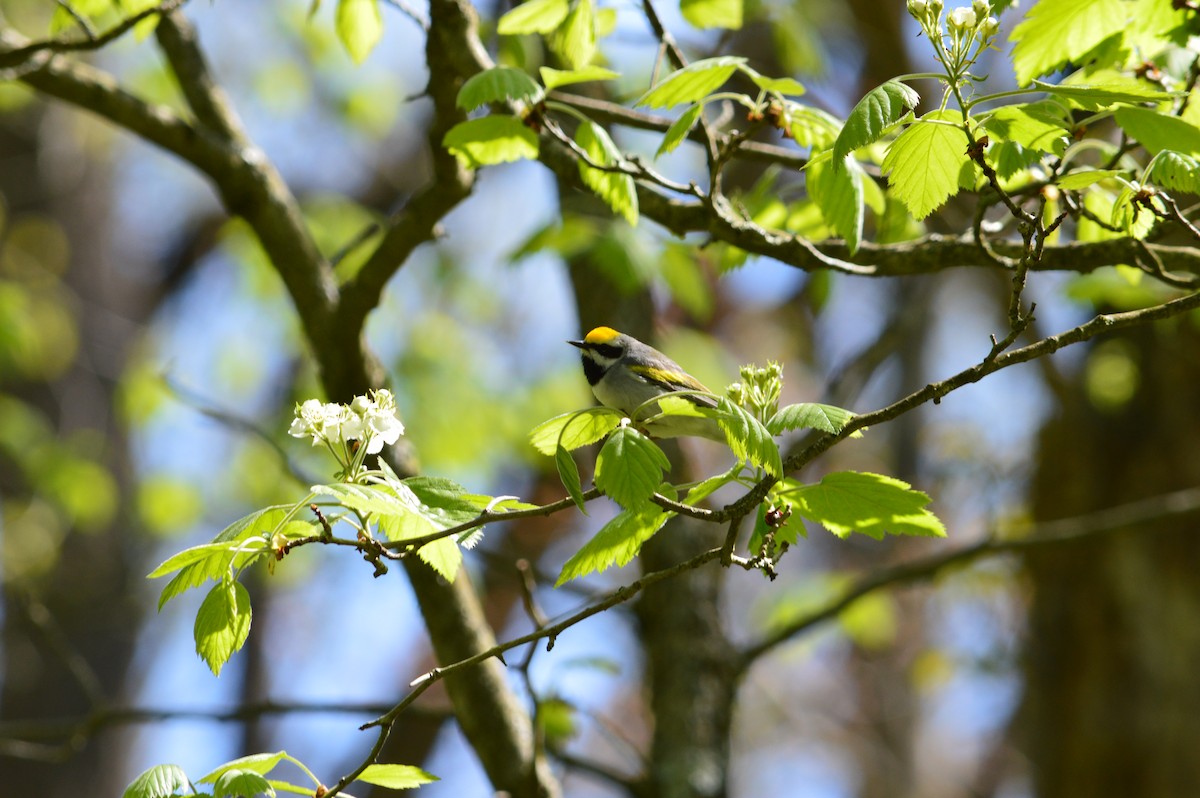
(568, 472)
(205, 553)
(396, 777)
(442, 555)
(575, 40)
(1037, 126)
(693, 83)
(705, 14)
(553, 78)
(787, 86)
(534, 16)
(1084, 178)
(1175, 171)
(497, 85)
(838, 192)
(748, 438)
(1055, 32)
(258, 763)
(360, 26)
(493, 139)
(630, 467)
(573, 430)
(160, 781)
(284, 786)
(809, 415)
(882, 107)
(235, 783)
(702, 490)
(811, 127)
(925, 162)
(368, 499)
(616, 543)
(616, 189)
(679, 130)
(443, 501)
(222, 624)
(1105, 94)
(1157, 132)
(871, 504)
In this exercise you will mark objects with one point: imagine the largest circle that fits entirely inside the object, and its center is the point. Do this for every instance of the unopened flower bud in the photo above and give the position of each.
(917, 8)
(982, 8)
(988, 28)
(935, 7)
(961, 19)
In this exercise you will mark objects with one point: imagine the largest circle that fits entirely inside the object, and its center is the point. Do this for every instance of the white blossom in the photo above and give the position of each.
(961, 19)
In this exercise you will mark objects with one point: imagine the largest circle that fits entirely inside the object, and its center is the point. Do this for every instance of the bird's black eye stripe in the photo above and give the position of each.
(608, 350)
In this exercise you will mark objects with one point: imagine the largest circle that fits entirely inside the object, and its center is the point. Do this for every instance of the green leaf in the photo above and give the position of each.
(679, 130)
(702, 490)
(925, 162)
(209, 553)
(1105, 94)
(838, 192)
(882, 107)
(616, 543)
(616, 189)
(444, 502)
(359, 26)
(257, 763)
(693, 83)
(573, 430)
(1175, 171)
(1084, 178)
(810, 415)
(1057, 31)
(283, 786)
(222, 624)
(234, 783)
(396, 777)
(787, 86)
(534, 16)
(568, 472)
(160, 781)
(496, 85)
(748, 438)
(575, 40)
(381, 500)
(630, 467)
(493, 139)
(1037, 126)
(1157, 132)
(872, 504)
(706, 14)
(811, 127)
(553, 78)
(442, 555)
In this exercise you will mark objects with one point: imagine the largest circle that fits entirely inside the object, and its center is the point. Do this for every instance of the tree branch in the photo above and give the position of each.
(1050, 533)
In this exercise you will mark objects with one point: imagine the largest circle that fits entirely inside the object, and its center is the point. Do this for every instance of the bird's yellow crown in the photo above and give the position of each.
(601, 335)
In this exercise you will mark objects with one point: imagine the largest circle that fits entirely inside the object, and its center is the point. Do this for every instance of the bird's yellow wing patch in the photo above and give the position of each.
(674, 380)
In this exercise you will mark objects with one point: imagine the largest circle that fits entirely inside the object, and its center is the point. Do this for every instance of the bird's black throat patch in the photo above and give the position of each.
(592, 370)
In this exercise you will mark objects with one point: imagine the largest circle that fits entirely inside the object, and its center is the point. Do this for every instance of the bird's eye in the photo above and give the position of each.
(609, 350)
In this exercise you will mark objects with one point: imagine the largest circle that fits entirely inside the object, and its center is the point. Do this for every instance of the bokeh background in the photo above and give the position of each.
(150, 361)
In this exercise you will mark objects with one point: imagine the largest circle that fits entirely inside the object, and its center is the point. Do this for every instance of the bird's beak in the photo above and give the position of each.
(579, 344)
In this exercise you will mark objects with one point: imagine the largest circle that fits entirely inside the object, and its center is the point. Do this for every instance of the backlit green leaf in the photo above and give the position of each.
(534, 16)
(1157, 132)
(615, 188)
(160, 781)
(360, 26)
(925, 162)
(1175, 171)
(222, 624)
(871, 504)
(788, 86)
(693, 83)
(630, 467)
(1057, 31)
(811, 415)
(748, 438)
(258, 763)
(491, 140)
(572, 430)
(1105, 94)
(706, 14)
(838, 192)
(497, 85)
(616, 543)
(1085, 177)
(575, 40)
(568, 472)
(396, 777)
(811, 127)
(679, 130)
(1037, 126)
(882, 107)
(235, 783)
(553, 78)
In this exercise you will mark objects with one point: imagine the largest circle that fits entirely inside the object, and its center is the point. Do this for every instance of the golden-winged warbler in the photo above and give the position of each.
(624, 373)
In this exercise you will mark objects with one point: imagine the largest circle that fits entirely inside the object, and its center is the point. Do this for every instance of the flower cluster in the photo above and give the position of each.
(759, 389)
(369, 420)
(965, 24)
